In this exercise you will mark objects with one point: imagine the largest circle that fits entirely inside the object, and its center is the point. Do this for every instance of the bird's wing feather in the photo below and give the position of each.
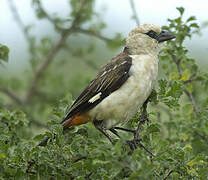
(110, 78)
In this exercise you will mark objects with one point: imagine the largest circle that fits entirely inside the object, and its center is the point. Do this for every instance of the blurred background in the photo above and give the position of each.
(54, 53)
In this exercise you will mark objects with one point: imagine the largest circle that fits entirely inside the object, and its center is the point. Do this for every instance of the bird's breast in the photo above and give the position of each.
(122, 104)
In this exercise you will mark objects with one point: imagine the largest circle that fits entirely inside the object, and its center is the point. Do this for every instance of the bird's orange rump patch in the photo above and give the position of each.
(78, 120)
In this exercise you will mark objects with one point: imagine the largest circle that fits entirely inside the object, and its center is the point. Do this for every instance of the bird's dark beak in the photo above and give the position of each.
(165, 36)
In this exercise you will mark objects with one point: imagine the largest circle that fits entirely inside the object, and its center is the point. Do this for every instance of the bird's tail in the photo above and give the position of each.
(66, 123)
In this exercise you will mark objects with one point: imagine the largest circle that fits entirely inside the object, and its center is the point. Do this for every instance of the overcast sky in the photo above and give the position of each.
(116, 13)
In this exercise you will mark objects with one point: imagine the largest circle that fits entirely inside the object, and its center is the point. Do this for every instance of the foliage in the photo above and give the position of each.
(4, 53)
(176, 135)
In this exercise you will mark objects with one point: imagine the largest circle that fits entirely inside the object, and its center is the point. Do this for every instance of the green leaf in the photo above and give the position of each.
(175, 90)
(181, 10)
(153, 97)
(4, 53)
(195, 25)
(162, 85)
(191, 18)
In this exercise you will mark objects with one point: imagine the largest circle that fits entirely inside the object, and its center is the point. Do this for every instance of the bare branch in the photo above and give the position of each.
(51, 55)
(46, 61)
(135, 16)
(11, 95)
(191, 98)
(178, 65)
(92, 33)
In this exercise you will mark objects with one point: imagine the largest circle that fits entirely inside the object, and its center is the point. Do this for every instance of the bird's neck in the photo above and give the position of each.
(140, 51)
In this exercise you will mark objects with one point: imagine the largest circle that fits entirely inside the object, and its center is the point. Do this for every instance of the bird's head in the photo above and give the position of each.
(147, 39)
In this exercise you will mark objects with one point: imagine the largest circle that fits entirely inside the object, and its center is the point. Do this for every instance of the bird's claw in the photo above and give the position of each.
(133, 144)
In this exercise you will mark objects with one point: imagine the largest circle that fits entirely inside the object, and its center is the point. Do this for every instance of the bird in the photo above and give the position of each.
(122, 85)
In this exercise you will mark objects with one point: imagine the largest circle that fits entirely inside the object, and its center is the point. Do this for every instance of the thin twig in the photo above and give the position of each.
(92, 33)
(136, 141)
(143, 119)
(170, 172)
(148, 151)
(191, 98)
(190, 81)
(135, 16)
(48, 16)
(178, 65)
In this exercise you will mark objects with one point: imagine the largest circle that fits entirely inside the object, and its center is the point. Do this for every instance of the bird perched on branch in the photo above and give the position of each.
(123, 85)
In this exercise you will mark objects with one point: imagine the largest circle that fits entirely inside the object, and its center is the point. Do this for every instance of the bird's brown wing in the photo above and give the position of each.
(110, 78)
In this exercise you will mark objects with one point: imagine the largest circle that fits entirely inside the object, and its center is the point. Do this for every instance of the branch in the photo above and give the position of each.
(92, 33)
(48, 16)
(178, 65)
(191, 98)
(192, 78)
(143, 119)
(135, 16)
(11, 95)
(136, 141)
(51, 55)
(46, 62)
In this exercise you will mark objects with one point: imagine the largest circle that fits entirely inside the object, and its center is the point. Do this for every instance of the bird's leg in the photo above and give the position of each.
(124, 129)
(114, 132)
(99, 126)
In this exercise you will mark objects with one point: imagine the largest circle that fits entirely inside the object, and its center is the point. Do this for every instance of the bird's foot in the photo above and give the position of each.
(133, 144)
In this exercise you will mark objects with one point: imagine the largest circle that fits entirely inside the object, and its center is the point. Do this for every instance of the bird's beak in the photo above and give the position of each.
(165, 36)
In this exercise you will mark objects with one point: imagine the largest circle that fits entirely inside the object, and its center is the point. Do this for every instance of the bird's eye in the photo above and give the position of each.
(152, 34)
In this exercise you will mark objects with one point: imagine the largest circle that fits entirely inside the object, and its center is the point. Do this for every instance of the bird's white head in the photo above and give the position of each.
(147, 39)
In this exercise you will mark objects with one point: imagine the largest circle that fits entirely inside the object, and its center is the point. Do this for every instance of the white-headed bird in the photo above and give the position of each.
(123, 85)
